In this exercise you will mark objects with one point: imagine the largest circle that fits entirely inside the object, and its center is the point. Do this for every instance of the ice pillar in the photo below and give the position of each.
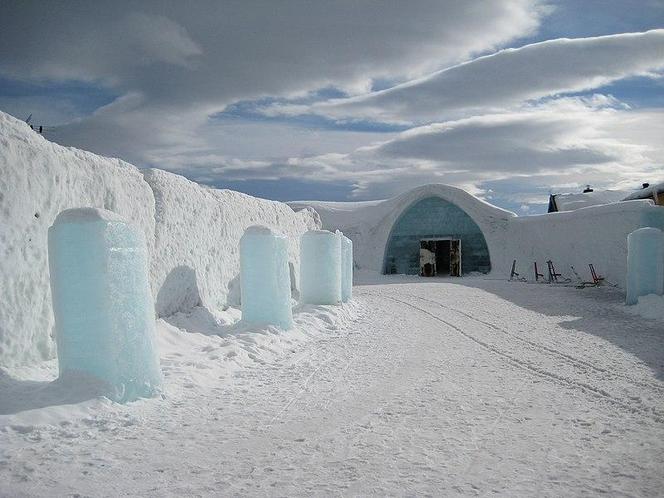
(320, 267)
(346, 268)
(645, 263)
(265, 278)
(104, 313)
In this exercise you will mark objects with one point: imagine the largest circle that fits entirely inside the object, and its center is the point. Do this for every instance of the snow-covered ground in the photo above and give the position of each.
(442, 386)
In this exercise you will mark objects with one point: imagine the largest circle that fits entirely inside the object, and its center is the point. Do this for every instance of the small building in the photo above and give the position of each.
(652, 192)
(590, 197)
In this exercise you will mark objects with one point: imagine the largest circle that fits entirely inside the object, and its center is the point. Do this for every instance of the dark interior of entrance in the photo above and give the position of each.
(440, 257)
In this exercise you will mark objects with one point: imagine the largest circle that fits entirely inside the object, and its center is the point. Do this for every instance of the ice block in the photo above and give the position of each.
(320, 267)
(265, 278)
(104, 312)
(645, 263)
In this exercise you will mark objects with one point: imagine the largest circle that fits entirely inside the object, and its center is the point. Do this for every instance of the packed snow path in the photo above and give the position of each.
(442, 387)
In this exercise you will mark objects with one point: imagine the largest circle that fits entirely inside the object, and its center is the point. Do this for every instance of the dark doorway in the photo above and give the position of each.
(440, 257)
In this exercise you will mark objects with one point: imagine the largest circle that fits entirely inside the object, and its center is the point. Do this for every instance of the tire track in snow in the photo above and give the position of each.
(534, 345)
(651, 413)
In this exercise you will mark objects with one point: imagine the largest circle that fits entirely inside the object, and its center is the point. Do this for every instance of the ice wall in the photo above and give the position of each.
(197, 240)
(265, 278)
(645, 263)
(320, 268)
(346, 268)
(104, 314)
(38, 180)
(195, 260)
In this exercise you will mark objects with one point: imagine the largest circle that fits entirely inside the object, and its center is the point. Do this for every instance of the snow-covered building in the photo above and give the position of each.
(590, 197)
(654, 192)
(442, 230)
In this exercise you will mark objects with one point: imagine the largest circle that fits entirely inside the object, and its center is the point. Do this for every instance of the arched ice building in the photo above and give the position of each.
(455, 233)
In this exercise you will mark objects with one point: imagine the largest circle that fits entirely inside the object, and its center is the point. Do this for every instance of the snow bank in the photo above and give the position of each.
(192, 232)
(40, 179)
(197, 241)
(596, 235)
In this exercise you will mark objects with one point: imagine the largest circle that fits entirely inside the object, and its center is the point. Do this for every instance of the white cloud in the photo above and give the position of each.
(568, 141)
(507, 78)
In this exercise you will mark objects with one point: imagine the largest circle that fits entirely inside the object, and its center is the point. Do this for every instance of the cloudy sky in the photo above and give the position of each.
(351, 100)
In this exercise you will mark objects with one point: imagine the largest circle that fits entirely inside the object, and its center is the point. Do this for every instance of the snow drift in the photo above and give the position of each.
(192, 232)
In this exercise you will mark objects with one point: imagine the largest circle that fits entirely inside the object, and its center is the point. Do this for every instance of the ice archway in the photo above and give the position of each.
(434, 218)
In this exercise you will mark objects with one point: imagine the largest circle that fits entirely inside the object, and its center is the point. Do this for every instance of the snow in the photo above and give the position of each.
(645, 263)
(103, 308)
(197, 241)
(192, 232)
(265, 278)
(320, 272)
(648, 192)
(346, 268)
(418, 387)
(571, 202)
(596, 235)
(650, 306)
(86, 215)
(39, 180)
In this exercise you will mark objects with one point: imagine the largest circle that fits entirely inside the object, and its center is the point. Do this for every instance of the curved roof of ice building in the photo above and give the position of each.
(369, 223)
(371, 213)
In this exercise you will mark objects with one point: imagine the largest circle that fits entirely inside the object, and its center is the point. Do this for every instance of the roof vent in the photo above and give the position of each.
(587, 189)
(645, 185)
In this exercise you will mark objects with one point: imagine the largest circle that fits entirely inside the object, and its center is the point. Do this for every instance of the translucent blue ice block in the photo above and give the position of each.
(320, 267)
(265, 278)
(346, 268)
(645, 263)
(104, 313)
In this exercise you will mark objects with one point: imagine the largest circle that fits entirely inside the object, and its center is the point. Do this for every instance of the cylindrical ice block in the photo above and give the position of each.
(104, 313)
(346, 268)
(645, 263)
(265, 278)
(320, 267)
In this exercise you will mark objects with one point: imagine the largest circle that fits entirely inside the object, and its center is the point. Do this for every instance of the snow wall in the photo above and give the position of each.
(192, 232)
(596, 235)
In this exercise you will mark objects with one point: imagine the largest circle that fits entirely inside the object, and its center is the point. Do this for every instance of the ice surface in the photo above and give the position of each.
(346, 268)
(320, 267)
(645, 263)
(265, 278)
(104, 313)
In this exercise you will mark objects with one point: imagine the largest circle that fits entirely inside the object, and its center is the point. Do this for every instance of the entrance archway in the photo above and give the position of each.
(430, 219)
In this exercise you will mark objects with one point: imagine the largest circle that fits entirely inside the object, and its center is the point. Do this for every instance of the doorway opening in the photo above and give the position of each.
(440, 257)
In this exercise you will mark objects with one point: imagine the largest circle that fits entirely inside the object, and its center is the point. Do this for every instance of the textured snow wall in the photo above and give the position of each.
(596, 235)
(197, 240)
(346, 268)
(645, 263)
(265, 278)
(196, 260)
(104, 314)
(320, 271)
(38, 180)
